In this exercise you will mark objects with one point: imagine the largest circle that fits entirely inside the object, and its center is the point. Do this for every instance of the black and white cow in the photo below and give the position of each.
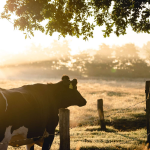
(32, 111)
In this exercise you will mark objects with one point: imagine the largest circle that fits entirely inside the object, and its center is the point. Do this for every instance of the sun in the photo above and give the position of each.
(2, 3)
(12, 41)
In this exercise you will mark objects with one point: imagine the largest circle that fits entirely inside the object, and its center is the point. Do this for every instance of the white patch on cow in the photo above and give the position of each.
(19, 137)
(20, 131)
(5, 99)
(7, 134)
(6, 139)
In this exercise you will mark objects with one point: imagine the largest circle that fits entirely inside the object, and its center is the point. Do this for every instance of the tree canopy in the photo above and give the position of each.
(71, 17)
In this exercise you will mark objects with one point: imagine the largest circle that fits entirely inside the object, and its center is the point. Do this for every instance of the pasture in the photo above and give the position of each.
(124, 104)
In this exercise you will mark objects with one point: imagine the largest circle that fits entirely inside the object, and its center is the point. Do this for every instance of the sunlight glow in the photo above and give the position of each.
(13, 41)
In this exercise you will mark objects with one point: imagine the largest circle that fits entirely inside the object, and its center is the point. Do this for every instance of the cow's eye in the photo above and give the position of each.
(71, 86)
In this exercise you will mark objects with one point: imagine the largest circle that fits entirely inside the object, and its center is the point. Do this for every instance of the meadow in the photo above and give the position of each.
(124, 113)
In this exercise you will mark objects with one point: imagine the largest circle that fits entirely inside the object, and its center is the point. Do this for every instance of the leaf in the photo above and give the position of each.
(26, 36)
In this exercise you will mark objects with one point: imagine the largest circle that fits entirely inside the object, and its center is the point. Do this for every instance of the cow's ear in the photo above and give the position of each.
(74, 82)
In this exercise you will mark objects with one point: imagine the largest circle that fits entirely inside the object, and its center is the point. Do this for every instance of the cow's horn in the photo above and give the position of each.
(65, 77)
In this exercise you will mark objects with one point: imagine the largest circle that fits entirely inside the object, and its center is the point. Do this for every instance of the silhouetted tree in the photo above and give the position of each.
(80, 62)
(146, 49)
(102, 62)
(118, 61)
(126, 55)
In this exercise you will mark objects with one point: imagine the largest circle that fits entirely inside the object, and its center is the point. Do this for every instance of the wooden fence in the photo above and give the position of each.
(147, 93)
(64, 115)
(101, 114)
(64, 124)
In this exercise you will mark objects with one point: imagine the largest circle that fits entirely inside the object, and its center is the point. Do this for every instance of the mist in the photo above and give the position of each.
(127, 61)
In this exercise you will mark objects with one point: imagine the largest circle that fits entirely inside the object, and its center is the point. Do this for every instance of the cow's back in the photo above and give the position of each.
(25, 109)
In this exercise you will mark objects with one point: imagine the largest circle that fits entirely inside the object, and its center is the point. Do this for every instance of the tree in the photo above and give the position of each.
(146, 49)
(70, 17)
(126, 56)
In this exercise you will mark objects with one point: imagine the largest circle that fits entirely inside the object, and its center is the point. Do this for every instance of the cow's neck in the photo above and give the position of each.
(56, 96)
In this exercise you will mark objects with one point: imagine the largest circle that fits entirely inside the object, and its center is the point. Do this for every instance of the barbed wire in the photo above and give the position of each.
(25, 139)
(126, 108)
(89, 122)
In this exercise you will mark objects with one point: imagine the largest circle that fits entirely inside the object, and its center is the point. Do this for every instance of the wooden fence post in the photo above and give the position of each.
(147, 93)
(101, 114)
(64, 118)
(147, 89)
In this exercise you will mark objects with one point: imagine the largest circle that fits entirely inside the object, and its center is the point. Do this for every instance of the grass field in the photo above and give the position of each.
(124, 104)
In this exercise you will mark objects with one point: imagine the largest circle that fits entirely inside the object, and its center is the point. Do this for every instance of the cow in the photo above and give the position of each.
(30, 114)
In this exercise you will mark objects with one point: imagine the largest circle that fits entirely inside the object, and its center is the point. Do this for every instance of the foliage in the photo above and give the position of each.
(71, 17)
(117, 61)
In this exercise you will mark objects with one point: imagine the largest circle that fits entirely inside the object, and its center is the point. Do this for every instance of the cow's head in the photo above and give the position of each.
(67, 93)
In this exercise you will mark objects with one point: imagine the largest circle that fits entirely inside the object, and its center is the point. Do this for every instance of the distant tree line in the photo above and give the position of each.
(117, 61)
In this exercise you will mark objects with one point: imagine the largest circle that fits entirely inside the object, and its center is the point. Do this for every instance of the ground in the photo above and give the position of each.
(124, 113)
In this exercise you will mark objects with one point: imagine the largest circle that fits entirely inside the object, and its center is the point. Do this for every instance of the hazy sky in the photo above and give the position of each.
(14, 41)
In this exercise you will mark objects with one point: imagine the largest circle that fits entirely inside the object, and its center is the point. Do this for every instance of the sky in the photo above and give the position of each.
(13, 41)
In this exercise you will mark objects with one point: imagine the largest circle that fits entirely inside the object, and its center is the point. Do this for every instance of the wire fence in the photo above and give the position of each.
(137, 139)
(119, 111)
(87, 123)
(127, 108)
(121, 141)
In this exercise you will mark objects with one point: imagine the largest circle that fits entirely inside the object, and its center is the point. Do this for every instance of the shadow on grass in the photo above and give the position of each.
(138, 122)
(94, 148)
(119, 94)
(108, 148)
(99, 129)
